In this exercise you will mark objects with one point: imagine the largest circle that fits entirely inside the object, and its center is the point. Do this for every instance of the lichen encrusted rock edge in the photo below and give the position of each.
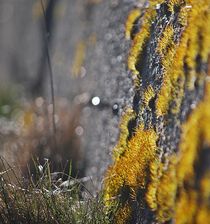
(161, 171)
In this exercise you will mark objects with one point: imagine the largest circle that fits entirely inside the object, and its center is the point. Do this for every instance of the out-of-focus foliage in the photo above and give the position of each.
(9, 102)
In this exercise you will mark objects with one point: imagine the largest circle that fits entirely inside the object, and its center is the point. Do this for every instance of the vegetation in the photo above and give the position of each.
(44, 198)
(8, 101)
(161, 171)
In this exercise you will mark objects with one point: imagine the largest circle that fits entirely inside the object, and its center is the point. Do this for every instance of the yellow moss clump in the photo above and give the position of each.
(161, 193)
(130, 170)
(174, 3)
(140, 40)
(133, 15)
(166, 193)
(124, 132)
(185, 51)
(186, 207)
(174, 55)
(123, 214)
(196, 130)
(166, 40)
(148, 95)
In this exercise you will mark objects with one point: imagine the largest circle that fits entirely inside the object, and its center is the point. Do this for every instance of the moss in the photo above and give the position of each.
(148, 95)
(182, 53)
(132, 17)
(139, 40)
(186, 207)
(181, 171)
(132, 165)
(166, 40)
(165, 159)
(124, 132)
(195, 133)
(123, 214)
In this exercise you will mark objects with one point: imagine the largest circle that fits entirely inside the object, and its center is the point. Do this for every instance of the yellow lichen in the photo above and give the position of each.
(183, 15)
(148, 95)
(123, 214)
(204, 32)
(205, 185)
(173, 3)
(186, 207)
(124, 132)
(185, 51)
(140, 40)
(166, 40)
(181, 169)
(172, 189)
(130, 170)
(166, 193)
(155, 169)
(78, 58)
(133, 15)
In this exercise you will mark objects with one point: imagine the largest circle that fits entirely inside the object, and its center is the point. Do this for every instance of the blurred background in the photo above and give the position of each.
(82, 46)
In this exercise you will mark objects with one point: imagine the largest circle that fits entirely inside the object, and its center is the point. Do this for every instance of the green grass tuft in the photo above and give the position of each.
(46, 198)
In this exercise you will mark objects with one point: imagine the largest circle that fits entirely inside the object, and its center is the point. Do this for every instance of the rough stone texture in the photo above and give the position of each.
(156, 169)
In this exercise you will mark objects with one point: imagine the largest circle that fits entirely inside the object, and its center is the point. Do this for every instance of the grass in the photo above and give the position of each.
(43, 198)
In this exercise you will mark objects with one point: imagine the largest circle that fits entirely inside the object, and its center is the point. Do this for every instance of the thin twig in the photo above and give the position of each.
(50, 72)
